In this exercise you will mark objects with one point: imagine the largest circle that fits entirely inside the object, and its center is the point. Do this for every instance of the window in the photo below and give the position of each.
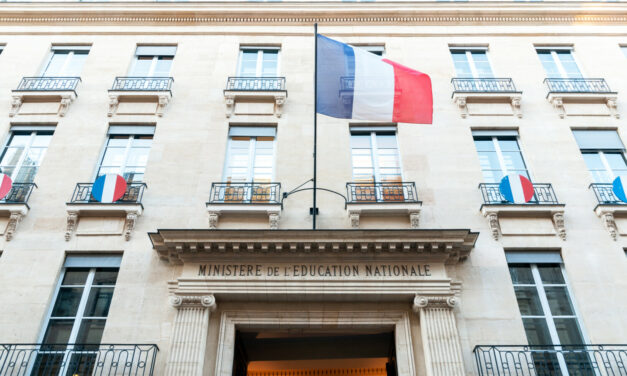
(548, 314)
(377, 50)
(375, 156)
(559, 63)
(471, 63)
(152, 61)
(126, 152)
(499, 155)
(79, 313)
(65, 61)
(624, 49)
(250, 155)
(24, 152)
(603, 152)
(258, 62)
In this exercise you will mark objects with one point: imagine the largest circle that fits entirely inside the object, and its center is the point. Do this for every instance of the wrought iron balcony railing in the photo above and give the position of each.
(604, 193)
(543, 194)
(551, 360)
(245, 193)
(142, 84)
(577, 85)
(19, 193)
(48, 84)
(483, 85)
(381, 192)
(256, 83)
(133, 195)
(77, 359)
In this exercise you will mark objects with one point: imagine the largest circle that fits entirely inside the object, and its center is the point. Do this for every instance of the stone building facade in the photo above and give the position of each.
(209, 265)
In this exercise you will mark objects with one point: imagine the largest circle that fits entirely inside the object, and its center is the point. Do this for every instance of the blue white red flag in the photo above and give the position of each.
(618, 186)
(5, 185)
(109, 188)
(355, 84)
(516, 189)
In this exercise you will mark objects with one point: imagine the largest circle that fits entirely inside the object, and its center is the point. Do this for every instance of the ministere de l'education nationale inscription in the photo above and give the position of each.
(309, 270)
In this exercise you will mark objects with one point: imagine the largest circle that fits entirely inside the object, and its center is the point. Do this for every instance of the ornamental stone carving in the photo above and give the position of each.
(558, 222)
(354, 219)
(113, 105)
(188, 301)
(516, 107)
(213, 220)
(421, 302)
(558, 104)
(280, 101)
(163, 102)
(461, 103)
(613, 106)
(72, 221)
(230, 104)
(14, 220)
(414, 219)
(129, 225)
(610, 224)
(66, 100)
(16, 104)
(493, 222)
(273, 217)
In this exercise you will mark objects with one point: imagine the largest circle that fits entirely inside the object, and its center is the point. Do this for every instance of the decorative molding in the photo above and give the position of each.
(354, 219)
(66, 100)
(113, 105)
(164, 99)
(493, 222)
(274, 217)
(558, 222)
(461, 103)
(554, 212)
(72, 221)
(215, 211)
(231, 97)
(14, 219)
(213, 219)
(559, 99)
(414, 219)
(421, 302)
(558, 104)
(160, 98)
(516, 107)
(356, 210)
(461, 99)
(16, 104)
(608, 214)
(189, 301)
(610, 224)
(229, 100)
(129, 225)
(612, 103)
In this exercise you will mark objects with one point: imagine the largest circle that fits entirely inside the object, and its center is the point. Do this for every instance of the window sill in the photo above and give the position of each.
(358, 209)
(129, 212)
(584, 104)
(526, 219)
(488, 103)
(272, 210)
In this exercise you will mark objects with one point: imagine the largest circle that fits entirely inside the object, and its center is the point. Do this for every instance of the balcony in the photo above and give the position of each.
(611, 210)
(551, 360)
(44, 95)
(245, 199)
(87, 216)
(140, 95)
(382, 198)
(582, 97)
(14, 206)
(542, 215)
(77, 359)
(486, 97)
(257, 96)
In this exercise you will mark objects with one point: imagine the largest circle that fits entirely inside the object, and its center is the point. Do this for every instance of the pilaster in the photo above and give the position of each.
(189, 334)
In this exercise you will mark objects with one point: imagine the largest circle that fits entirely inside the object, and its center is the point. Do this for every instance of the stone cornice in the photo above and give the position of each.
(305, 13)
(180, 246)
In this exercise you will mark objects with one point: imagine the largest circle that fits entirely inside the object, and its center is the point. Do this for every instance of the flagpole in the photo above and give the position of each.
(315, 140)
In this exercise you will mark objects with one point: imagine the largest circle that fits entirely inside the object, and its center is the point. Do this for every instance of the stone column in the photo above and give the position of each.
(189, 334)
(440, 338)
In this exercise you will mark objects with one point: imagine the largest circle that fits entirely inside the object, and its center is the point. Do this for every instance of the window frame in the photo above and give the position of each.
(374, 152)
(499, 152)
(153, 64)
(128, 148)
(471, 61)
(27, 147)
(557, 61)
(601, 152)
(252, 147)
(259, 67)
(72, 51)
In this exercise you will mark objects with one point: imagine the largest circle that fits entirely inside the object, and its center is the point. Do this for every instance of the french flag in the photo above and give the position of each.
(516, 189)
(355, 84)
(108, 188)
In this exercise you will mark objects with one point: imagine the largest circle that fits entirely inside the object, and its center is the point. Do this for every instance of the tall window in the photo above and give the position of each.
(152, 61)
(127, 152)
(603, 152)
(375, 156)
(258, 62)
(250, 155)
(471, 63)
(24, 152)
(559, 63)
(547, 310)
(499, 155)
(78, 314)
(65, 61)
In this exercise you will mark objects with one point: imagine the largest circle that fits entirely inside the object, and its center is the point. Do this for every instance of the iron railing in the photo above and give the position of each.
(19, 193)
(552, 360)
(48, 84)
(483, 85)
(604, 193)
(543, 194)
(77, 359)
(133, 195)
(142, 84)
(381, 192)
(256, 83)
(245, 193)
(577, 85)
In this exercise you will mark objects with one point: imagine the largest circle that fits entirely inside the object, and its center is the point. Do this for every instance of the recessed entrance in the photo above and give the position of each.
(300, 352)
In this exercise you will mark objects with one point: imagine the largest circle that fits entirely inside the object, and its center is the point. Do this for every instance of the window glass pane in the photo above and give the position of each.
(75, 64)
(90, 331)
(67, 302)
(75, 277)
(163, 66)
(137, 157)
(12, 156)
(616, 161)
(270, 63)
(98, 302)
(141, 66)
(386, 141)
(55, 65)
(360, 141)
(58, 331)
(34, 156)
(462, 66)
(482, 65)
(568, 63)
(537, 331)
(588, 139)
(120, 141)
(42, 140)
(521, 274)
(26, 175)
(552, 71)
(248, 64)
(568, 331)
(142, 141)
(508, 144)
(513, 161)
(105, 277)
(593, 161)
(528, 301)
(559, 302)
(484, 144)
(551, 274)
(134, 174)
(113, 157)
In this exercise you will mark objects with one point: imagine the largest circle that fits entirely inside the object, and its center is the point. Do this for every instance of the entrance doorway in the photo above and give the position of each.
(300, 352)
